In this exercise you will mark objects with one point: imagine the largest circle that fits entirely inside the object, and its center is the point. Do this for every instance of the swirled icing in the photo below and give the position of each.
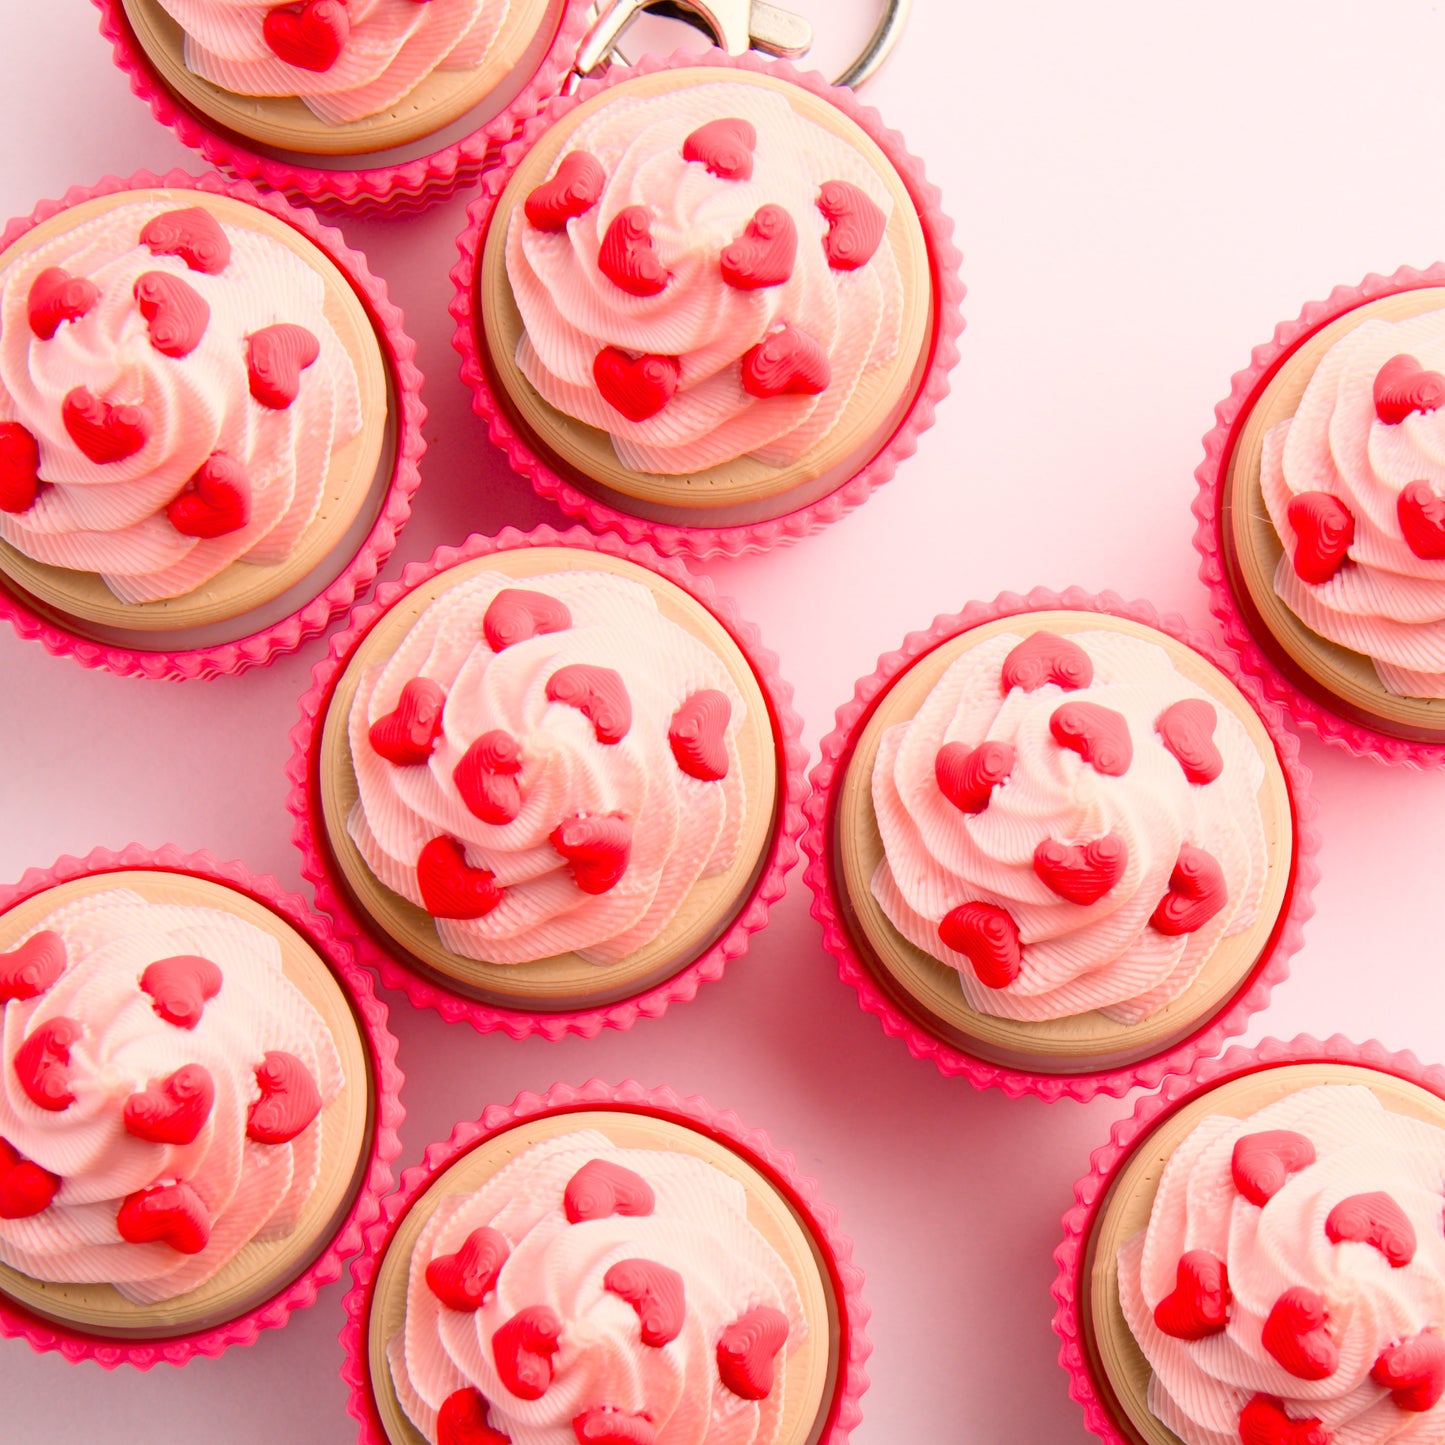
(682, 827)
(696, 1225)
(111, 516)
(572, 311)
(122, 1046)
(1362, 1151)
(1072, 957)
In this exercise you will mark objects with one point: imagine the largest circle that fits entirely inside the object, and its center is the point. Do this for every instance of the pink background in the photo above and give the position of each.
(1142, 191)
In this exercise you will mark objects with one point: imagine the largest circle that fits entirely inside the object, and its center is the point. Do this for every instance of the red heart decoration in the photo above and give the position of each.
(697, 735)
(191, 233)
(1422, 520)
(523, 1349)
(855, 225)
(1413, 1371)
(1403, 386)
(310, 36)
(1296, 1334)
(967, 776)
(25, 1188)
(275, 358)
(1197, 891)
(637, 386)
(1082, 873)
(573, 190)
(216, 501)
(41, 1063)
(1044, 658)
(764, 254)
(176, 314)
(1262, 1162)
(597, 850)
(786, 363)
(289, 1099)
(1099, 735)
(56, 296)
(988, 937)
(1373, 1219)
(170, 1214)
(1199, 1304)
(173, 1111)
(747, 1352)
(655, 1292)
(1264, 1422)
(181, 987)
(628, 256)
(598, 693)
(461, 1281)
(605, 1426)
(514, 615)
(600, 1189)
(31, 969)
(462, 1420)
(19, 468)
(1186, 728)
(1324, 528)
(105, 433)
(408, 733)
(725, 146)
(450, 888)
(486, 777)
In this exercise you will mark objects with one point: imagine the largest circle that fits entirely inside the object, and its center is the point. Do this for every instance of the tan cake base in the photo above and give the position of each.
(930, 990)
(565, 980)
(287, 124)
(260, 1269)
(882, 397)
(1113, 1352)
(356, 474)
(808, 1373)
(1252, 547)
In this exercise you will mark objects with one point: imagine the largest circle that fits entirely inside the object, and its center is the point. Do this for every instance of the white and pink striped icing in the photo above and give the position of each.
(570, 310)
(110, 517)
(1199, 1387)
(697, 1226)
(251, 1191)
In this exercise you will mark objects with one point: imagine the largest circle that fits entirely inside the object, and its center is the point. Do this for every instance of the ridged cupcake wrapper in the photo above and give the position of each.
(777, 1165)
(705, 541)
(385, 1145)
(1231, 414)
(308, 833)
(400, 189)
(399, 353)
(1209, 1035)
(1108, 1159)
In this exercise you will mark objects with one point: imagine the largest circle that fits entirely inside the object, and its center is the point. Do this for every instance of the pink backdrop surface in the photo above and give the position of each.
(1142, 192)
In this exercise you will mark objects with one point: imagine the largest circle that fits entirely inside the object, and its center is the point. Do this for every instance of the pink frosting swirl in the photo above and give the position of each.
(1348, 1224)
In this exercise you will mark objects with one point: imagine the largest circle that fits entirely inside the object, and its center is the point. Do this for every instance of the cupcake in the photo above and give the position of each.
(1257, 1256)
(706, 304)
(1057, 845)
(549, 776)
(609, 1264)
(208, 425)
(197, 1107)
(1321, 517)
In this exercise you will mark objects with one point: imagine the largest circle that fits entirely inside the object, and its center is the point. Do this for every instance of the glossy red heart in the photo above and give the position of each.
(1186, 728)
(486, 777)
(1042, 658)
(600, 1189)
(173, 1111)
(289, 1099)
(1098, 734)
(1296, 1333)
(1324, 528)
(598, 693)
(628, 255)
(176, 314)
(408, 733)
(786, 363)
(597, 850)
(19, 468)
(1403, 386)
(308, 36)
(725, 146)
(764, 254)
(967, 776)
(522, 1349)
(637, 386)
(193, 234)
(605, 1426)
(747, 1352)
(180, 988)
(450, 887)
(31, 969)
(105, 433)
(1081, 873)
(1262, 1162)
(462, 1420)
(275, 358)
(573, 191)
(697, 735)
(514, 615)
(25, 1188)
(1199, 1303)
(1264, 1422)
(56, 296)
(461, 1281)
(1421, 515)
(1413, 1371)
(988, 937)
(42, 1064)
(855, 225)
(1197, 891)
(170, 1214)
(655, 1292)
(216, 501)
(1373, 1219)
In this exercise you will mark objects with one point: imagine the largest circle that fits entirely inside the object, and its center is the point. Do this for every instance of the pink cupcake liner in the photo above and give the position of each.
(400, 189)
(399, 352)
(1306, 703)
(331, 894)
(1209, 1035)
(1070, 1289)
(778, 1166)
(701, 541)
(43, 1335)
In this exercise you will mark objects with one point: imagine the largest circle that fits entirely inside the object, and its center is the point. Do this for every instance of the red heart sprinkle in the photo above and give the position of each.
(450, 887)
(523, 1349)
(1099, 735)
(786, 363)
(1373, 1219)
(600, 1189)
(1186, 728)
(597, 850)
(1422, 520)
(19, 468)
(514, 615)
(461, 1281)
(655, 1292)
(41, 1063)
(1264, 1422)
(747, 1352)
(25, 1188)
(308, 36)
(1081, 873)
(1262, 1162)
(105, 433)
(628, 255)
(1403, 386)
(697, 735)
(181, 987)
(1197, 891)
(606, 1426)
(462, 1420)
(637, 386)
(1413, 1371)
(56, 296)
(967, 776)
(1044, 658)
(486, 777)
(215, 502)
(725, 146)
(176, 314)
(289, 1099)
(573, 190)
(764, 254)
(988, 937)
(275, 358)
(598, 693)
(170, 1214)
(408, 733)
(855, 225)
(1199, 1304)
(1296, 1335)
(193, 234)
(1324, 528)
(173, 1111)
(31, 969)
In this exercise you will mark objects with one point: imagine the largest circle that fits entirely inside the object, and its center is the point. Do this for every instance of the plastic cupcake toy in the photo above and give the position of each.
(606, 1265)
(1059, 845)
(1256, 1256)
(209, 425)
(554, 777)
(197, 1107)
(709, 304)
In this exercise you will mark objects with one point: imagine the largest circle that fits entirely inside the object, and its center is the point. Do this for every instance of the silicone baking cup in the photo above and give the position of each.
(61, 637)
(856, 963)
(381, 1148)
(319, 864)
(778, 1168)
(940, 349)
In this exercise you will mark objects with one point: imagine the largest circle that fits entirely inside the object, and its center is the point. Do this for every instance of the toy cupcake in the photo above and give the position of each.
(209, 425)
(1059, 845)
(709, 304)
(1322, 524)
(1256, 1256)
(197, 1112)
(553, 777)
(606, 1264)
